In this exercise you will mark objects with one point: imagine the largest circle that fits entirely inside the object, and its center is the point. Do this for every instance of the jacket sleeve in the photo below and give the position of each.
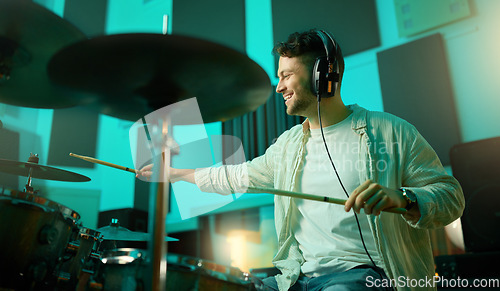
(228, 179)
(439, 196)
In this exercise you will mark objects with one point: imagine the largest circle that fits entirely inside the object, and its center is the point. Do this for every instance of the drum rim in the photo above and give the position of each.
(123, 256)
(211, 268)
(43, 201)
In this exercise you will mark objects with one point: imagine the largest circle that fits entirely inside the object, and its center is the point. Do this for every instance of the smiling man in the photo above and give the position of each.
(376, 160)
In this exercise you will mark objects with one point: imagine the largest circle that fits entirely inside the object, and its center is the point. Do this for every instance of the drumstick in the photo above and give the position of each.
(96, 161)
(312, 197)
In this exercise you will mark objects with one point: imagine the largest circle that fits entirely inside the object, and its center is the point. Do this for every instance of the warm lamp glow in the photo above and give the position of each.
(238, 245)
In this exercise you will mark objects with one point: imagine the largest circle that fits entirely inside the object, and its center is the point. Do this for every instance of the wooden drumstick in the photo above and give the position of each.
(96, 161)
(312, 197)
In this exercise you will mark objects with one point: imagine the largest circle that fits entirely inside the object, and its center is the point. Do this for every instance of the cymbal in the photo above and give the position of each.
(130, 75)
(40, 171)
(113, 232)
(29, 36)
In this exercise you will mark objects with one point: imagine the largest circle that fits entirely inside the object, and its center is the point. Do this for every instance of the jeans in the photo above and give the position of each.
(358, 278)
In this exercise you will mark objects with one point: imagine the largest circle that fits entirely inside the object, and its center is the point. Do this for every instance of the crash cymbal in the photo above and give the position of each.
(39, 171)
(29, 36)
(130, 75)
(119, 233)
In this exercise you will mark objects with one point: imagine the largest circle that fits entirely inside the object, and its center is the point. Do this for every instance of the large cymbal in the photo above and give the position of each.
(130, 75)
(29, 36)
(40, 171)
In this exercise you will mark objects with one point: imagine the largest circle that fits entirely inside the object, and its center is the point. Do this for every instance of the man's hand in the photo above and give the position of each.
(175, 174)
(146, 171)
(374, 198)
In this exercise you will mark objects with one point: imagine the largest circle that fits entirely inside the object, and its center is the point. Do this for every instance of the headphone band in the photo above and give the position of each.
(325, 76)
(328, 43)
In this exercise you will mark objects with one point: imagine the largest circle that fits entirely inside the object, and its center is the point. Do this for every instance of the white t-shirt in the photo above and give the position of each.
(327, 235)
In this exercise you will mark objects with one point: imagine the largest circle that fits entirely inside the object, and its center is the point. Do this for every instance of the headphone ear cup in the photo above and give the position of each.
(319, 77)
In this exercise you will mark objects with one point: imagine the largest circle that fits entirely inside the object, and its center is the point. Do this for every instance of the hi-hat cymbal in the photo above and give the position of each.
(40, 171)
(29, 36)
(119, 233)
(130, 75)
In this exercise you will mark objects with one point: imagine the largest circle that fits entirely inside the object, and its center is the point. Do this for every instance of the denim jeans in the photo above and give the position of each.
(358, 278)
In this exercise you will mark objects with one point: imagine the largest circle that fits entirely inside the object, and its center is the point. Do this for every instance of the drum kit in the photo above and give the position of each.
(46, 62)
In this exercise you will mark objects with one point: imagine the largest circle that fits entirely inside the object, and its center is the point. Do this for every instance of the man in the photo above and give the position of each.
(375, 159)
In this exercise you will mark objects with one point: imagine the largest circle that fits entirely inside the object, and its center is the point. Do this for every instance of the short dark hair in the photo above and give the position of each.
(309, 45)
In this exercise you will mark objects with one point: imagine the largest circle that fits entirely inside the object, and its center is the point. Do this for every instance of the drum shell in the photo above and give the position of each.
(85, 258)
(34, 235)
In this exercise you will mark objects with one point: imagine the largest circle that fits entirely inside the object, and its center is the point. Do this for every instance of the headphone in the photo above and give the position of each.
(325, 75)
(325, 80)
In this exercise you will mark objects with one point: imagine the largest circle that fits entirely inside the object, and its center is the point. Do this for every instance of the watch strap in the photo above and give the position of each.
(410, 198)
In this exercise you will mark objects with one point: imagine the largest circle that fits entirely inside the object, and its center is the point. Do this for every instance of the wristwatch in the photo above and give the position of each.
(410, 198)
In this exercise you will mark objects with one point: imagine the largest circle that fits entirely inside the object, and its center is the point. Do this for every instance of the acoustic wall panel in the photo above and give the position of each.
(219, 21)
(259, 129)
(9, 150)
(476, 165)
(416, 86)
(353, 23)
(74, 130)
(415, 16)
(89, 15)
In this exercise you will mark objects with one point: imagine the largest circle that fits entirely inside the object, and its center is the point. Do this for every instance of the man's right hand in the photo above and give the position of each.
(176, 175)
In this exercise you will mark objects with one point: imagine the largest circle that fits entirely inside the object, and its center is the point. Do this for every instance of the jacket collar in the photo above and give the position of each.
(358, 120)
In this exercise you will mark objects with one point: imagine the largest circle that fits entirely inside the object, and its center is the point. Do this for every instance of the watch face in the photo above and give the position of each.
(410, 198)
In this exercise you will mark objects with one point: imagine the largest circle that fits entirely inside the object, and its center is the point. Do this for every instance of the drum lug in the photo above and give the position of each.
(72, 247)
(63, 277)
(95, 286)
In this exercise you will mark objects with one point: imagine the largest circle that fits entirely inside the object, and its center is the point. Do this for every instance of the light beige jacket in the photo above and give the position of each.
(396, 155)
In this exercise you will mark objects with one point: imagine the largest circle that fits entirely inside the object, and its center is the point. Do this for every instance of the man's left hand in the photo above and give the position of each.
(374, 198)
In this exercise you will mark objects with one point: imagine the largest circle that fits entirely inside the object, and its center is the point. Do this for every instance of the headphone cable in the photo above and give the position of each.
(342, 184)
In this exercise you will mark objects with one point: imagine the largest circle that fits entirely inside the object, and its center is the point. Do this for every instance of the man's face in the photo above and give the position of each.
(294, 84)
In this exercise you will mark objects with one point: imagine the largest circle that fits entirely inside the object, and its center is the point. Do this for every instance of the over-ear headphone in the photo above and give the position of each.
(325, 75)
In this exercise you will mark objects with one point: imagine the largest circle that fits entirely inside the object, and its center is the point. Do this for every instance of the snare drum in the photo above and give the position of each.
(122, 269)
(188, 273)
(34, 233)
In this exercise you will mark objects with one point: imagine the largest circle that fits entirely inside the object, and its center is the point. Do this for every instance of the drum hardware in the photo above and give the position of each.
(42, 233)
(115, 232)
(34, 160)
(125, 76)
(131, 75)
(29, 36)
(189, 273)
(33, 170)
(10, 55)
(81, 259)
(39, 231)
(122, 269)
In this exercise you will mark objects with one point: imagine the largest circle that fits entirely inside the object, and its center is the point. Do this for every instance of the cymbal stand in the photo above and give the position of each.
(158, 205)
(32, 159)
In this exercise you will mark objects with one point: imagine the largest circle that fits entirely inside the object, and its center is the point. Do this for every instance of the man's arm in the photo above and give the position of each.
(176, 175)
